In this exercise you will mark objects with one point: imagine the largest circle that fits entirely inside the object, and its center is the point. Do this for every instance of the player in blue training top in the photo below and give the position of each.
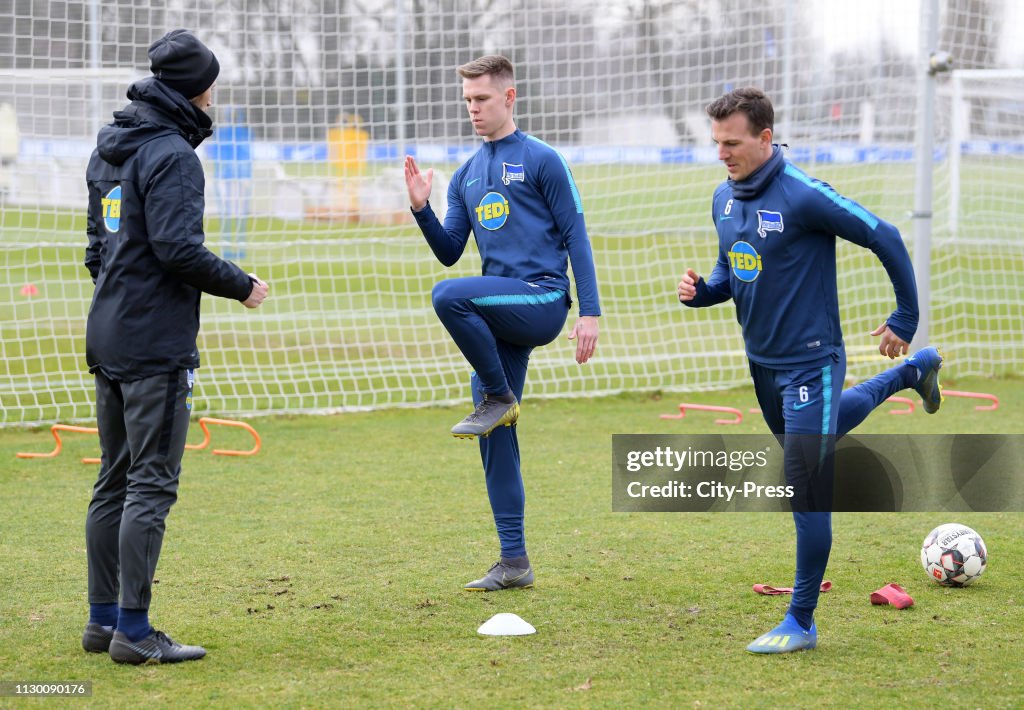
(518, 198)
(776, 261)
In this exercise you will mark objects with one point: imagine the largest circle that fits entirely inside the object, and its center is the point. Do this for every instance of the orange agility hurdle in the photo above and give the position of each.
(976, 395)
(902, 400)
(204, 423)
(55, 430)
(707, 408)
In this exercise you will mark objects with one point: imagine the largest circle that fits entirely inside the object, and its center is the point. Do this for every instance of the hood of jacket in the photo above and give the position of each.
(155, 110)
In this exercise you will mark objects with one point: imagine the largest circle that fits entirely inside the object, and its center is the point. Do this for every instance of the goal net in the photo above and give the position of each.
(319, 100)
(978, 282)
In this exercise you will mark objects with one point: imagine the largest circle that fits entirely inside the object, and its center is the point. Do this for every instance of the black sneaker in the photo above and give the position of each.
(488, 416)
(155, 648)
(96, 638)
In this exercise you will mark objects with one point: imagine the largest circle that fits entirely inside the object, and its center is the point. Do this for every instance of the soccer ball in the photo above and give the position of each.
(953, 555)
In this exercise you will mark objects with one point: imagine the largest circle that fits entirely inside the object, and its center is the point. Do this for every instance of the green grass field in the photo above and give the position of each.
(326, 572)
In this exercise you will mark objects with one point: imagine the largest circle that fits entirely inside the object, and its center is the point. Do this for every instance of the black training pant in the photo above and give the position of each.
(142, 427)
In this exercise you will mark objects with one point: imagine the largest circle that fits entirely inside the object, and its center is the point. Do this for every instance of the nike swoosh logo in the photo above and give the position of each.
(805, 404)
(147, 652)
(722, 218)
(506, 580)
(472, 181)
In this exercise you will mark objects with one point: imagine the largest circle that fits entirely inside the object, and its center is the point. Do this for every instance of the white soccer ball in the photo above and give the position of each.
(953, 555)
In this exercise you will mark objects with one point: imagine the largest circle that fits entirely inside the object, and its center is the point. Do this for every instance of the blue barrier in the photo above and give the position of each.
(316, 152)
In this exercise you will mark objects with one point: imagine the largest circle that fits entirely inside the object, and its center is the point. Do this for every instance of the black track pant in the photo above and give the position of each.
(142, 426)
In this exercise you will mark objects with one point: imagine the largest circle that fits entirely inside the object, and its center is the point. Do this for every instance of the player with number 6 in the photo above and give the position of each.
(777, 230)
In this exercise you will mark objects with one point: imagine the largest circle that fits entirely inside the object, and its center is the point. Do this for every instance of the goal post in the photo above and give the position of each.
(54, 115)
(976, 279)
(998, 94)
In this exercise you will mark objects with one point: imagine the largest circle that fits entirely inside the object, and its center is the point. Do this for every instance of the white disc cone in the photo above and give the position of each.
(506, 625)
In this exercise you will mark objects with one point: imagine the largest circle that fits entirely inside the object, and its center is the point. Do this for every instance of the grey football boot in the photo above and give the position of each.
(491, 413)
(155, 648)
(500, 576)
(97, 638)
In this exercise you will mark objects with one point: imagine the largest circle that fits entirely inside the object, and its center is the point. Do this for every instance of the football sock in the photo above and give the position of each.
(803, 617)
(813, 544)
(911, 374)
(134, 623)
(522, 562)
(511, 536)
(103, 614)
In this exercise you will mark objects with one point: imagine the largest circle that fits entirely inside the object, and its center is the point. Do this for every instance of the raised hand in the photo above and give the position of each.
(417, 183)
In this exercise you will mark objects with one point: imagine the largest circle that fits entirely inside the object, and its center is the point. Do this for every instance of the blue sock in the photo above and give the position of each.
(103, 614)
(134, 623)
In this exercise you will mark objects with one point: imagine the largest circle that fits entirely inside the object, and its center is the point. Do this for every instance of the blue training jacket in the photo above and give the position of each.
(518, 198)
(777, 261)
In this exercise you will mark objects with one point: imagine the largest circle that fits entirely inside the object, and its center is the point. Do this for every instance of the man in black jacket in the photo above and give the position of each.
(147, 259)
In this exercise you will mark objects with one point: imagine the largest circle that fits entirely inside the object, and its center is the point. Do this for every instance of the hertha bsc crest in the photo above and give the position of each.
(768, 222)
(512, 172)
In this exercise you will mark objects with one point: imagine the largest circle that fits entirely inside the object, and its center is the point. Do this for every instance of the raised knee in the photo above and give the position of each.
(444, 296)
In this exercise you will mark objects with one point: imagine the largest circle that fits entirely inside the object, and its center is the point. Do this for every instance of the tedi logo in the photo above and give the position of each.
(768, 222)
(745, 262)
(112, 209)
(492, 211)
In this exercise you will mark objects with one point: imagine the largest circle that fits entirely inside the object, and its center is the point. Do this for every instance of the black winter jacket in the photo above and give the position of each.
(145, 227)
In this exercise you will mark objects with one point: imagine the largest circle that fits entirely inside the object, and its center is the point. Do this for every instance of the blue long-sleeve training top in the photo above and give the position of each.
(518, 198)
(777, 261)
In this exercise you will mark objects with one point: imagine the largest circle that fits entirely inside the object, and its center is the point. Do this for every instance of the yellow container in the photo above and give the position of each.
(347, 146)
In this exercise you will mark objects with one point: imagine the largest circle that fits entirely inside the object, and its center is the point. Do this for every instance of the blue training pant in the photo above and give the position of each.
(810, 403)
(497, 322)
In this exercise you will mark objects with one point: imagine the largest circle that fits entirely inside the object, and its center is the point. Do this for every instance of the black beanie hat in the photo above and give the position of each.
(184, 63)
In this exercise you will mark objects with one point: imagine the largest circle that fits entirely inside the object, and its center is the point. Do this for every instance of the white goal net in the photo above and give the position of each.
(318, 100)
(977, 281)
